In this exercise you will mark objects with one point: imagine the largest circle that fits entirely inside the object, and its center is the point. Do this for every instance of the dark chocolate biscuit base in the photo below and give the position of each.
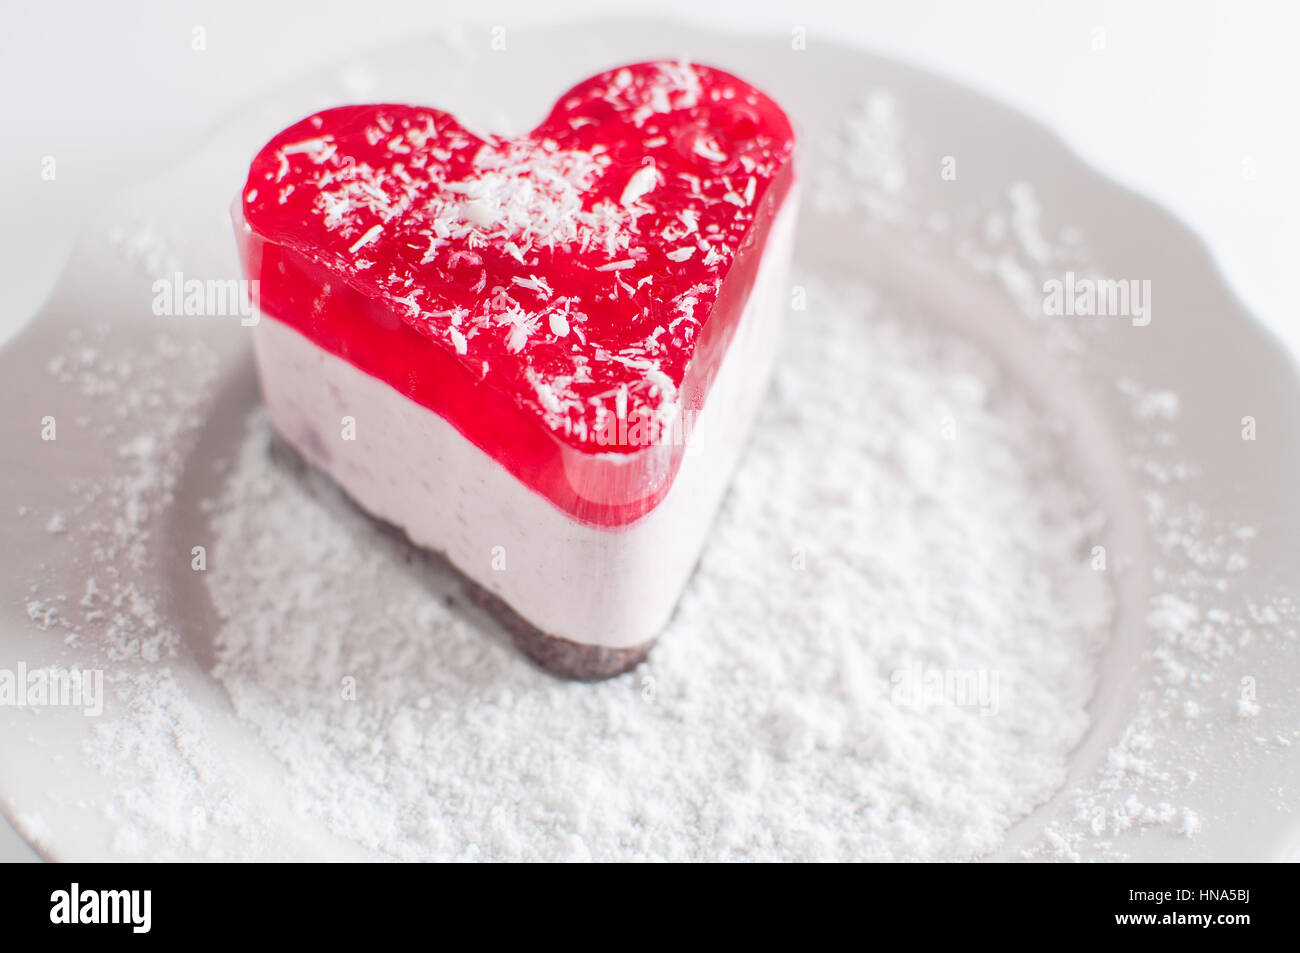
(556, 655)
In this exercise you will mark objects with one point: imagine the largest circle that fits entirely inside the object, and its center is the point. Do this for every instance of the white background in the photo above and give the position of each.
(1190, 103)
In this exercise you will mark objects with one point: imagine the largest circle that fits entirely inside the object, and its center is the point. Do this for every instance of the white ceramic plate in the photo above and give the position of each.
(1224, 758)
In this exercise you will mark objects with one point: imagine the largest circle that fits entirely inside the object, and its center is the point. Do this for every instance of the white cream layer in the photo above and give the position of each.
(608, 586)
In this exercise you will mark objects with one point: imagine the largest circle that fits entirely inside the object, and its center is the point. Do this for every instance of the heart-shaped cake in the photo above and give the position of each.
(538, 355)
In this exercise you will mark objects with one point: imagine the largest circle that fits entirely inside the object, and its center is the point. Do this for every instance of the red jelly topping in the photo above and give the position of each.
(562, 298)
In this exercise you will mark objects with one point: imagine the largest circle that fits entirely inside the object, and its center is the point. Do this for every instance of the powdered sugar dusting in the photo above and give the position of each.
(150, 423)
(1015, 242)
(1194, 649)
(868, 167)
(776, 695)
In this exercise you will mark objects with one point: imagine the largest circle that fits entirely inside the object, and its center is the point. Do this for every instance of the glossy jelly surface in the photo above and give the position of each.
(562, 298)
